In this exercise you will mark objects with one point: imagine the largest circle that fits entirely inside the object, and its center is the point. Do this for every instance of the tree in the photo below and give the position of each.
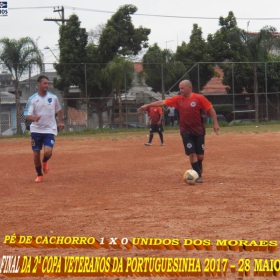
(20, 57)
(96, 89)
(272, 72)
(228, 42)
(94, 34)
(260, 47)
(160, 69)
(119, 73)
(228, 45)
(73, 55)
(119, 38)
(253, 51)
(196, 51)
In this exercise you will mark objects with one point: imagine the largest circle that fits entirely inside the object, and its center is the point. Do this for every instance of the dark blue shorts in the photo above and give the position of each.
(156, 128)
(40, 139)
(193, 144)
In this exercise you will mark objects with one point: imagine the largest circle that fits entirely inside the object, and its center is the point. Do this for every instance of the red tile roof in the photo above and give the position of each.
(215, 85)
(138, 67)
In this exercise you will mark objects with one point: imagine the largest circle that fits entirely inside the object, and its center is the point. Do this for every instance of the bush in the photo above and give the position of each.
(224, 109)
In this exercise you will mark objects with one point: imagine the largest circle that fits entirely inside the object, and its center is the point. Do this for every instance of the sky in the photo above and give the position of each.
(171, 22)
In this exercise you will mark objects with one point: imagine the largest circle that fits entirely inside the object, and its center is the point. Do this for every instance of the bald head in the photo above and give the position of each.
(185, 88)
(187, 83)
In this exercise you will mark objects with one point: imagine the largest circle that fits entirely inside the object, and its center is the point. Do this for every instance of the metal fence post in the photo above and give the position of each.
(266, 98)
(86, 95)
(233, 94)
(125, 99)
(162, 83)
(0, 111)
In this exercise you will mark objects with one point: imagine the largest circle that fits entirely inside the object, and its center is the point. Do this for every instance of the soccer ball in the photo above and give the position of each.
(190, 176)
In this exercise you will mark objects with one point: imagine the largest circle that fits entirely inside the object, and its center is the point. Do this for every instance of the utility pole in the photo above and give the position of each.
(62, 19)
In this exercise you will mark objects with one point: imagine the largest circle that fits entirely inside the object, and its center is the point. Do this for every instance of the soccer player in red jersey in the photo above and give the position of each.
(155, 123)
(192, 128)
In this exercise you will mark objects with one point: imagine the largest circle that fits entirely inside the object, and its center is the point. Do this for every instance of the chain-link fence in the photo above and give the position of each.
(93, 104)
(8, 123)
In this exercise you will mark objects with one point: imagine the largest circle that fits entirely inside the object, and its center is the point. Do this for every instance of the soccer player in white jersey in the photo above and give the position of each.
(41, 109)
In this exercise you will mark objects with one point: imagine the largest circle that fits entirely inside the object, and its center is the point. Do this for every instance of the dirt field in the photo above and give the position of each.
(111, 185)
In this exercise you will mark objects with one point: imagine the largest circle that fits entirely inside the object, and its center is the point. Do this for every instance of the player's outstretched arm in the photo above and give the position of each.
(153, 104)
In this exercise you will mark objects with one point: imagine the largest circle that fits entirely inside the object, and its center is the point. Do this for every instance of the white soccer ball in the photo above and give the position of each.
(190, 176)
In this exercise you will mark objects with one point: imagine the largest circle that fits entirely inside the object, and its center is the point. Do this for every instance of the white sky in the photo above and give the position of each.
(166, 31)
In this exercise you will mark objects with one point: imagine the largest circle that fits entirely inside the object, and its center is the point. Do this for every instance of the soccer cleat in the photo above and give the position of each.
(162, 144)
(148, 144)
(199, 180)
(46, 169)
(39, 179)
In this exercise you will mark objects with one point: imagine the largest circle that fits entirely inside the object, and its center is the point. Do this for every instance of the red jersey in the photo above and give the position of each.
(154, 113)
(190, 112)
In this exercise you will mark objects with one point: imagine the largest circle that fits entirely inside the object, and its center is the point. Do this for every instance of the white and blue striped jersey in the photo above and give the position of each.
(46, 107)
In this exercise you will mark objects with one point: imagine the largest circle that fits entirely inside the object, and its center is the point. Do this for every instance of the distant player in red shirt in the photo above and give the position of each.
(192, 129)
(155, 123)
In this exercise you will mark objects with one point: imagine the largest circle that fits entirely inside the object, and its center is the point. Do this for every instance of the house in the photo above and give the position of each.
(8, 105)
(29, 86)
(76, 116)
(138, 93)
(81, 116)
(215, 85)
(6, 81)
(8, 122)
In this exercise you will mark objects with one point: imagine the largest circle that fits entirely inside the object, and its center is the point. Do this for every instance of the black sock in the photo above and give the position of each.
(151, 137)
(161, 136)
(45, 159)
(39, 170)
(200, 165)
(195, 167)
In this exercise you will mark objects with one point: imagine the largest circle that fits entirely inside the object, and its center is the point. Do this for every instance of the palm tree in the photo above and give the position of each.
(20, 56)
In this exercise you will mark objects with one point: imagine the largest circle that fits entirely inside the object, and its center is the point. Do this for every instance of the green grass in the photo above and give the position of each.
(224, 128)
(115, 134)
(100, 132)
(249, 127)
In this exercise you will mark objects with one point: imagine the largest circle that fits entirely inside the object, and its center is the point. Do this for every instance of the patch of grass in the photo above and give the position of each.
(249, 128)
(114, 134)
(15, 136)
(102, 131)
